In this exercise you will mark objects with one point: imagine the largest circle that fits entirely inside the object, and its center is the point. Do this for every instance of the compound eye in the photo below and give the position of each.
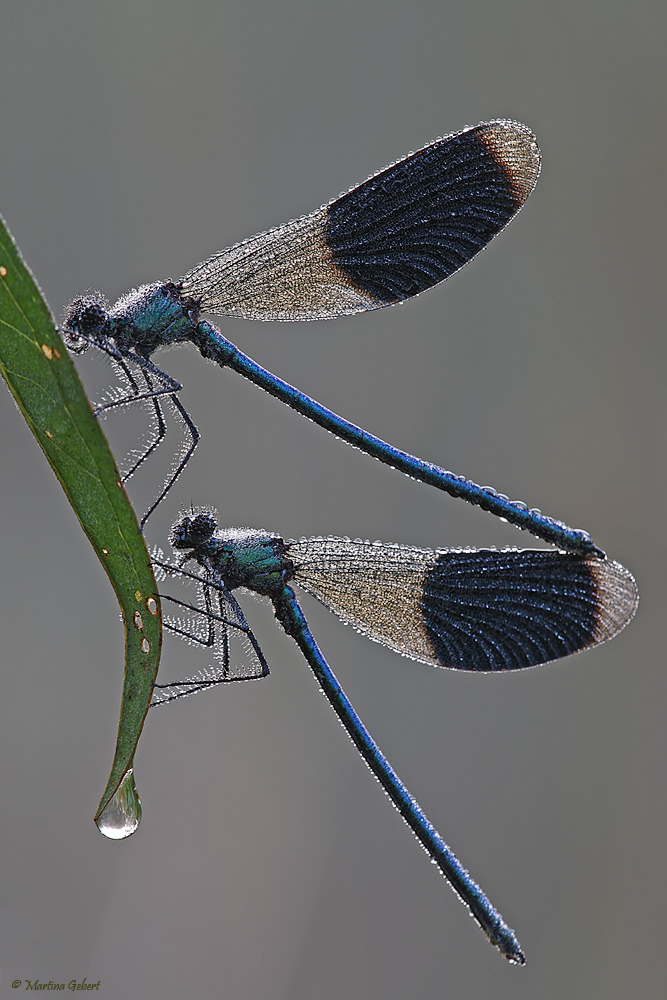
(92, 317)
(179, 536)
(192, 532)
(202, 527)
(85, 318)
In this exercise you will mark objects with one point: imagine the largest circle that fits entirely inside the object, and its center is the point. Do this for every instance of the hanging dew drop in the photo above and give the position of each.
(122, 815)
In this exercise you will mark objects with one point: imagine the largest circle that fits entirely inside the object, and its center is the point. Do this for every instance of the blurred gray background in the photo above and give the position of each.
(137, 138)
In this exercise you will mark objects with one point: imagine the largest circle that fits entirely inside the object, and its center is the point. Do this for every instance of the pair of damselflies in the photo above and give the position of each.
(403, 230)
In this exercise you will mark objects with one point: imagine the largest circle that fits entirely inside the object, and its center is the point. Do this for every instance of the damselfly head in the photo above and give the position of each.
(191, 531)
(84, 321)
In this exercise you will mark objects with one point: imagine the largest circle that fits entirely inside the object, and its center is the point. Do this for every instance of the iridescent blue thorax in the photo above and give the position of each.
(254, 559)
(152, 316)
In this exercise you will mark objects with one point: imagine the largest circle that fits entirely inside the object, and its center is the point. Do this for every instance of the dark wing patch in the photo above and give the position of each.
(505, 610)
(418, 221)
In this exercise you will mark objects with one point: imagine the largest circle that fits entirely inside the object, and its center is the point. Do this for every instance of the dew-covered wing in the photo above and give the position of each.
(484, 609)
(403, 230)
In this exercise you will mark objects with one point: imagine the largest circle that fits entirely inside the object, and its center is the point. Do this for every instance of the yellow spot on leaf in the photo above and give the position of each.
(49, 435)
(138, 596)
(105, 551)
(47, 352)
(3, 271)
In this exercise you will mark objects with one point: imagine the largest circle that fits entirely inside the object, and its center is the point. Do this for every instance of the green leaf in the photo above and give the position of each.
(39, 372)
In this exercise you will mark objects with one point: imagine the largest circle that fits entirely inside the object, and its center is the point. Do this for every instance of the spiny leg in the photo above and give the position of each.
(229, 616)
(126, 358)
(181, 462)
(206, 641)
(169, 387)
(160, 426)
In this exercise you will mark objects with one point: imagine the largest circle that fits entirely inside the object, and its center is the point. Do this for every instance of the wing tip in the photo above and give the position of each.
(514, 148)
(617, 597)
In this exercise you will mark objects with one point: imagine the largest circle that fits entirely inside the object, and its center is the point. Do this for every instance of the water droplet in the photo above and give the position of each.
(122, 815)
